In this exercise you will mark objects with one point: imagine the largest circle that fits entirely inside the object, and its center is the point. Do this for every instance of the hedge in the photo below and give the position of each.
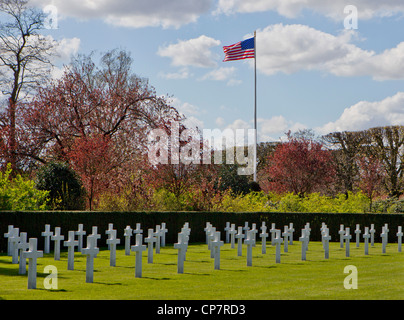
(33, 222)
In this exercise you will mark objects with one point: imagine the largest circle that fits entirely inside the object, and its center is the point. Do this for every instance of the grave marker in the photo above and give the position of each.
(239, 237)
(112, 242)
(47, 234)
(291, 231)
(366, 237)
(150, 240)
(232, 233)
(304, 239)
(70, 243)
(285, 236)
(127, 233)
(23, 246)
(246, 228)
(164, 230)
(272, 231)
(384, 236)
(80, 233)
(14, 240)
(372, 235)
(96, 235)
(207, 232)
(108, 232)
(341, 233)
(91, 251)
(326, 241)
(278, 241)
(181, 246)
(227, 229)
(138, 248)
(347, 238)
(263, 237)
(157, 234)
(7, 235)
(255, 231)
(32, 255)
(357, 233)
(399, 236)
(57, 238)
(216, 244)
(249, 242)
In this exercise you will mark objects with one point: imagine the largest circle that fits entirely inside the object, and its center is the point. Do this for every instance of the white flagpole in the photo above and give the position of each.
(255, 106)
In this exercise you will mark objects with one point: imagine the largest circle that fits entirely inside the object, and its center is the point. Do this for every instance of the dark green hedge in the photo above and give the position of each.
(33, 222)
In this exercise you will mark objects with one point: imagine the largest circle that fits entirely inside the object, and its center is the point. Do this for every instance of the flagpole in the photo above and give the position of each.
(255, 106)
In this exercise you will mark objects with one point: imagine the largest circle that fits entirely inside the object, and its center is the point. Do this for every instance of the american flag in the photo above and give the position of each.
(240, 50)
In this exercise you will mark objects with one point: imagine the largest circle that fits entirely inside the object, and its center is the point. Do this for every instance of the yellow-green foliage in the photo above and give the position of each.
(19, 194)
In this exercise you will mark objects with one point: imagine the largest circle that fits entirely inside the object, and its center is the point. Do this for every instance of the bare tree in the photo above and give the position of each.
(25, 61)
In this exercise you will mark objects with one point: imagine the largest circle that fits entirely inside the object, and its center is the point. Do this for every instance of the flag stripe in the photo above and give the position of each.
(240, 50)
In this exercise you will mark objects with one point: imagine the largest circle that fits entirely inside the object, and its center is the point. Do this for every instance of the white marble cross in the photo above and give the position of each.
(341, 233)
(164, 230)
(227, 229)
(186, 231)
(138, 248)
(71, 243)
(357, 233)
(216, 244)
(322, 231)
(108, 232)
(113, 241)
(232, 233)
(7, 235)
(249, 242)
(263, 236)
(278, 241)
(272, 231)
(304, 239)
(32, 255)
(95, 234)
(399, 236)
(255, 231)
(308, 230)
(157, 234)
(181, 246)
(57, 238)
(386, 229)
(91, 251)
(384, 235)
(246, 228)
(366, 237)
(207, 232)
(291, 230)
(372, 232)
(14, 240)
(211, 238)
(326, 241)
(347, 238)
(47, 234)
(138, 230)
(23, 245)
(285, 236)
(127, 233)
(80, 233)
(239, 236)
(150, 240)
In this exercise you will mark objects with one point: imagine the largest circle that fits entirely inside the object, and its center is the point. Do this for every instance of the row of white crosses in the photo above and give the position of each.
(17, 247)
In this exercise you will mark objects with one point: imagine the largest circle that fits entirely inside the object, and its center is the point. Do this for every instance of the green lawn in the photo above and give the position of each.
(380, 276)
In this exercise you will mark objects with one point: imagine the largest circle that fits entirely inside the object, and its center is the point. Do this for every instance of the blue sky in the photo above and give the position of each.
(312, 72)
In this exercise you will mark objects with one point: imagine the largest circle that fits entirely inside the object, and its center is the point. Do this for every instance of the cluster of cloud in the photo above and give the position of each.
(134, 14)
(331, 8)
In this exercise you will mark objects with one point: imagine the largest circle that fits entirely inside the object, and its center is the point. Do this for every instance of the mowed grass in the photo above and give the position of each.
(380, 276)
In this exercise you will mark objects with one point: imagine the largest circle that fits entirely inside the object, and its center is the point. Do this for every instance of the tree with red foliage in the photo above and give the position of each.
(372, 174)
(93, 158)
(300, 165)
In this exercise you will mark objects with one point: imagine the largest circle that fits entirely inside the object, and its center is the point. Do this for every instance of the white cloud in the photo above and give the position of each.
(194, 52)
(334, 9)
(365, 115)
(293, 48)
(133, 14)
(66, 48)
(181, 74)
(223, 74)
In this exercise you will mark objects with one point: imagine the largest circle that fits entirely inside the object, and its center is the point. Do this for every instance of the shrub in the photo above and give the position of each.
(19, 194)
(65, 188)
